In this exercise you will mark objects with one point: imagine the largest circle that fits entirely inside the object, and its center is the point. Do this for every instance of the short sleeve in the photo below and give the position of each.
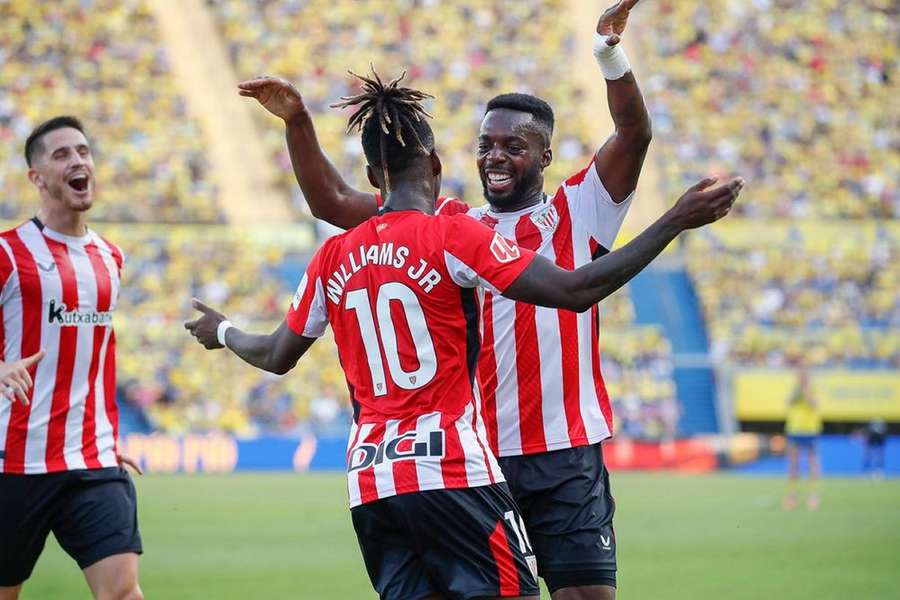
(592, 207)
(308, 315)
(476, 255)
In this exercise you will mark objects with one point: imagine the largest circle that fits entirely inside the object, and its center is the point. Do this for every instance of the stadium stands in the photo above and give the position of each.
(102, 61)
(463, 52)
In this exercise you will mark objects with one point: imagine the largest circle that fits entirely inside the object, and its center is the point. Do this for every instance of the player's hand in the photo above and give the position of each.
(703, 204)
(15, 380)
(614, 19)
(276, 95)
(130, 462)
(206, 328)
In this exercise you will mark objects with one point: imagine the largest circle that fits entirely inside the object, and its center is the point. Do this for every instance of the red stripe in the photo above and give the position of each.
(487, 373)
(506, 565)
(116, 252)
(68, 342)
(32, 302)
(568, 324)
(453, 465)
(599, 384)
(6, 267)
(109, 388)
(528, 362)
(484, 453)
(405, 475)
(104, 294)
(368, 491)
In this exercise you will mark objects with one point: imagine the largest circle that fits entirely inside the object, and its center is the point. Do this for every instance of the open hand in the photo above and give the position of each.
(703, 204)
(206, 328)
(15, 380)
(613, 20)
(130, 462)
(276, 95)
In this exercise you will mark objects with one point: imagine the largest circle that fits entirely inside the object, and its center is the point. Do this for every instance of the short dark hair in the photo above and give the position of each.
(34, 145)
(392, 122)
(540, 110)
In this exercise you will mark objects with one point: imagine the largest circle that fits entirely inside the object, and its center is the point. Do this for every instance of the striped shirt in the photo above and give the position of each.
(58, 293)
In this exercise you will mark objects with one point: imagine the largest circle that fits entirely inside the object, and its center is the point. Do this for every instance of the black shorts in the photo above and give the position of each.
(464, 543)
(92, 513)
(565, 499)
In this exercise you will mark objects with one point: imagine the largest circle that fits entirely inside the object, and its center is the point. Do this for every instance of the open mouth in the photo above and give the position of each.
(498, 181)
(79, 182)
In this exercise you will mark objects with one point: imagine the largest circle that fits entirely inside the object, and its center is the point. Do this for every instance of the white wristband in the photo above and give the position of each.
(612, 60)
(220, 332)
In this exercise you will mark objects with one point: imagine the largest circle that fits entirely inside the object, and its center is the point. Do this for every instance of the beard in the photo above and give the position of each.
(60, 193)
(529, 180)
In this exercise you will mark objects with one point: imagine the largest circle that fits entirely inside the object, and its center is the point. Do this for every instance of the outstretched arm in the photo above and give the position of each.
(620, 159)
(329, 197)
(277, 352)
(545, 284)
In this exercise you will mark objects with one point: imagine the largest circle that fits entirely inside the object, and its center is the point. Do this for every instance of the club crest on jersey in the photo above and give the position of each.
(504, 250)
(546, 219)
(59, 314)
(401, 447)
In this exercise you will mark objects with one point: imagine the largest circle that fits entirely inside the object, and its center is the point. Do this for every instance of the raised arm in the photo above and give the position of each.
(545, 284)
(329, 197)
(277, 352)
(619, 160)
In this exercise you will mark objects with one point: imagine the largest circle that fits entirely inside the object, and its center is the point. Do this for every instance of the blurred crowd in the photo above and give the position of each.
(798, 96)
(463, 52)
(102, 61)
(821, 300)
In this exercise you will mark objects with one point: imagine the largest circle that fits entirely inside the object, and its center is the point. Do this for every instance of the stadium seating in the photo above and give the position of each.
(798, 96)
(102, 61)
(464, 52)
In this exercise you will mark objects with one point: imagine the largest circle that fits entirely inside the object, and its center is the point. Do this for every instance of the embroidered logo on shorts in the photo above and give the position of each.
(605, 540)
(532, 565)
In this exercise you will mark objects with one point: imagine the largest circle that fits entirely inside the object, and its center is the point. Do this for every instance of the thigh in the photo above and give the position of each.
(392, 561)
(472, 541)
(27, 503)
(98, 516)
(568, 508)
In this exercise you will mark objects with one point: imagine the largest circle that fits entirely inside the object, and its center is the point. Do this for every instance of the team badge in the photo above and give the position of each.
(547, 219)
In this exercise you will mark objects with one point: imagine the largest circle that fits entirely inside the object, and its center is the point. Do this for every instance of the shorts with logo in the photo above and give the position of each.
(92, 513)
(458, 543)
(568, 509)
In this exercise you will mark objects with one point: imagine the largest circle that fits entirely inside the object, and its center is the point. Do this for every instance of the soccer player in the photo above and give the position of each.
(431, 512)
(803, 425)
(59, 468)
(542, 394)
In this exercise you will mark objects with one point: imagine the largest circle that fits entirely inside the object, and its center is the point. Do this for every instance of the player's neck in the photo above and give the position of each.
(410, 195)
(66, 222)
(530, 198)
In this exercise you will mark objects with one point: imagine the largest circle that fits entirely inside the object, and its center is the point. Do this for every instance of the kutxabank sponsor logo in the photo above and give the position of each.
(59, 314)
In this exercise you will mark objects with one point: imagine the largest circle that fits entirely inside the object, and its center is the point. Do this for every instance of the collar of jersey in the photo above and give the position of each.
(500, 216)
(62, 237)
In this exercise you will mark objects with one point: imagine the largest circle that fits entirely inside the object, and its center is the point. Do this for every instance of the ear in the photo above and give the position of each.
(546, 158)
(373, 177)
(437, 168)
(36, 178)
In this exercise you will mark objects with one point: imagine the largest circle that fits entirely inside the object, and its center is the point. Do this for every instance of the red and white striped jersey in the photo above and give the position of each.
(399, 292)
(539, 373)
(58, 293)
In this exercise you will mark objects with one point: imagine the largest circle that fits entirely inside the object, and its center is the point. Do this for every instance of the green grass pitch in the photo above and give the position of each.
(279, 536)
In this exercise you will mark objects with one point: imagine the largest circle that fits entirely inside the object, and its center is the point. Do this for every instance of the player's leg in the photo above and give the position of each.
(389, 553)
(568, 509)
(793, 458)
(813, 500)
(115, 578)
(472, 541)
(27, 505)
(97, 526)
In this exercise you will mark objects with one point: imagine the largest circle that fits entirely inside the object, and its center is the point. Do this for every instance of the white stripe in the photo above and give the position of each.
(384, 472)
(45, 379)
(481, 432)
(357, 434)
(84, 347)
(476, 468)
(12, 330)
(428, 470)
(106, 445)
(594, 424)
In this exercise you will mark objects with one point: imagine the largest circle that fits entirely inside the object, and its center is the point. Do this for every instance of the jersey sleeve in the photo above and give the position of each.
(591, 206)
(308, 315)
(476, 255)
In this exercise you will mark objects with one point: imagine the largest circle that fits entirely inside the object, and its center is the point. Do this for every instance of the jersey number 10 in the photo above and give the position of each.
(358, 301)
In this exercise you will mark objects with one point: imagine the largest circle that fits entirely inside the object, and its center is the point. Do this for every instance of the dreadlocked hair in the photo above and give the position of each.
(390, 116)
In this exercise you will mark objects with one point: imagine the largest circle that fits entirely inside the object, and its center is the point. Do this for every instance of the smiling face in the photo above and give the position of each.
(512, 155)
(63, 170)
